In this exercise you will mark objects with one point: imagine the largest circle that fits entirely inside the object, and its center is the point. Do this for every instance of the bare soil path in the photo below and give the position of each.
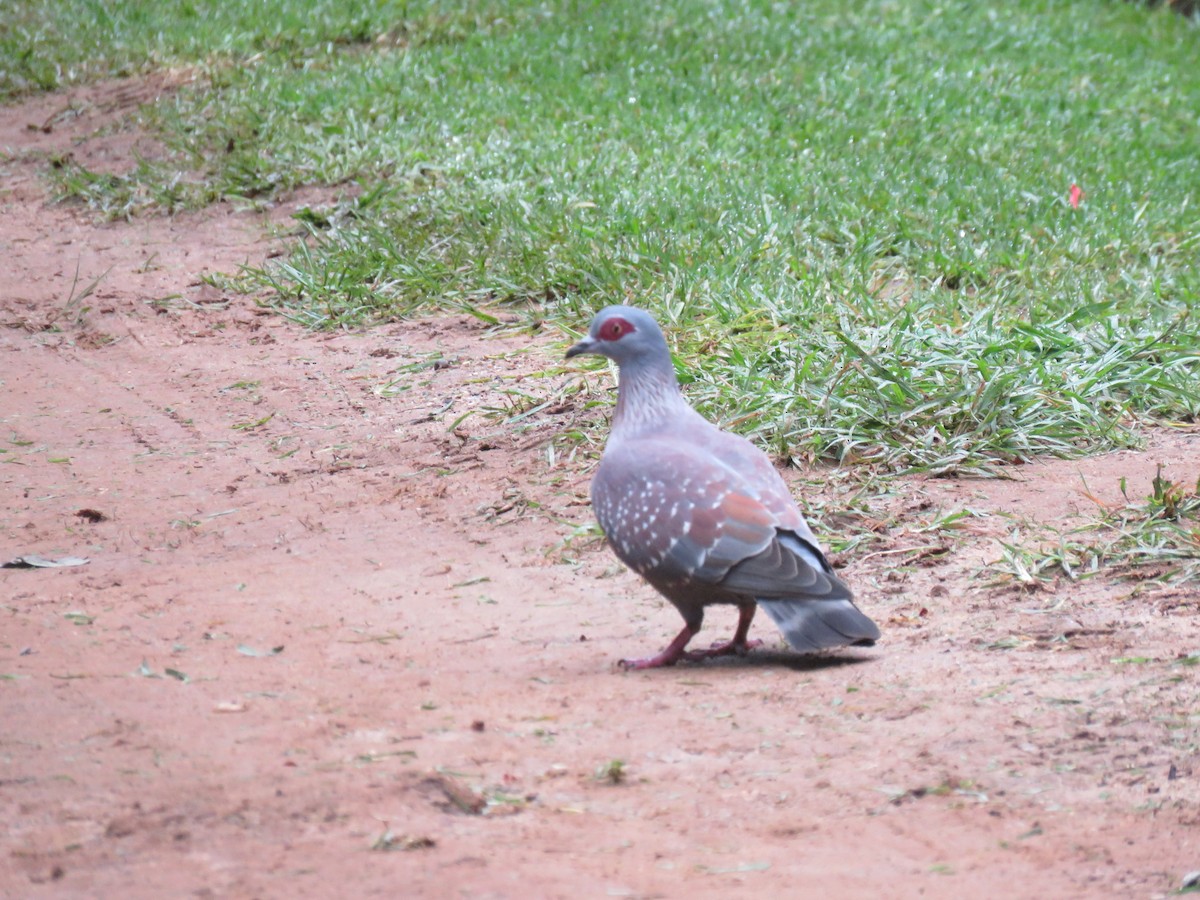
(327, 645)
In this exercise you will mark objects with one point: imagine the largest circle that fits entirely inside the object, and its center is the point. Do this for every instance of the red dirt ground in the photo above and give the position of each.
(325, 644)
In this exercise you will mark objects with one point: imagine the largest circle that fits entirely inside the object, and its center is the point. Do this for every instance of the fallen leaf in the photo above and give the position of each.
(33, 561)
(388, 841)
(252, 651)
(734, 870)
(460, 797)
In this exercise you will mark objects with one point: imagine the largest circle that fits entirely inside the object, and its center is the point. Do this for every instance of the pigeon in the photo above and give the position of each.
(702, 514)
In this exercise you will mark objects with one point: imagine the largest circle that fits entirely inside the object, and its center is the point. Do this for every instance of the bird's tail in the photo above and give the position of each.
(811, 625)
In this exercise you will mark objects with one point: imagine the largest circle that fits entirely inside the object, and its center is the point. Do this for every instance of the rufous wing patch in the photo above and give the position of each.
(745, 518)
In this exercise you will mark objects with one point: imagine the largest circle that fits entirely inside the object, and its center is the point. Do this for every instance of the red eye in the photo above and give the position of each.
(615, 329)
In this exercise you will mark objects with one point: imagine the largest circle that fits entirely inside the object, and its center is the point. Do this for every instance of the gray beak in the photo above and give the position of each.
(587, 345)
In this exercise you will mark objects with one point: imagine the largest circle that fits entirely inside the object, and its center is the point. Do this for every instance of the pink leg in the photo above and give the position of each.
(668, 657)
(675, 650)
(739, 645)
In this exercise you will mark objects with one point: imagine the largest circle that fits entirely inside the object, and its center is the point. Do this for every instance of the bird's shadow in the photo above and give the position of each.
(774, 659)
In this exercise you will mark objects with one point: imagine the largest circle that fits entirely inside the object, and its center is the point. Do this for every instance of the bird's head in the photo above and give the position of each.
(624, 335)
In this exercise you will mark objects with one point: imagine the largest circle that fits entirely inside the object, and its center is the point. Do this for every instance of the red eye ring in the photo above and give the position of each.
(615, 329)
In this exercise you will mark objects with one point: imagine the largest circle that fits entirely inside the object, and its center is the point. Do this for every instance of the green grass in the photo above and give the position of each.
(852, 217)
(1155, 539)
(48, 44)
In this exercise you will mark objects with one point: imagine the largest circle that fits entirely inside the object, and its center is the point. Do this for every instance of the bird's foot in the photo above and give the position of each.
(650, 662)
(674, 654)
(723, 648)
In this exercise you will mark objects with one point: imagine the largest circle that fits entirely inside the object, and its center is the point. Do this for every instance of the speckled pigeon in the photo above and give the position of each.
(702, 514)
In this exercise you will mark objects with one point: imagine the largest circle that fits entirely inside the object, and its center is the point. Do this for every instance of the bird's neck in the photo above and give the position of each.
(648, 398)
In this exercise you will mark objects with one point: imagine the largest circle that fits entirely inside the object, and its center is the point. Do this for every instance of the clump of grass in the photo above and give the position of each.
(144, 189)
(55, 43)
(1157, 538)
(905, 391)
(612, 772)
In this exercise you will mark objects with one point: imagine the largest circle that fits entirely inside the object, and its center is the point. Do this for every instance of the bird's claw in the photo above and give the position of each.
(669, 658)
(650, 662)
(723, 648)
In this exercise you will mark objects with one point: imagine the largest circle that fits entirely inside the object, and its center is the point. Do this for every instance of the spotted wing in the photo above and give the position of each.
(673, 512)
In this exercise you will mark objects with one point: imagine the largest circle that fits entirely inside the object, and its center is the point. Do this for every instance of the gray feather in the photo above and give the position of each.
(812, 625)
(789, 568)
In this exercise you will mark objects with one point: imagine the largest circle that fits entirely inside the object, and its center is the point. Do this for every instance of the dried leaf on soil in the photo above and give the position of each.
(33, 561)
(252, 651)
